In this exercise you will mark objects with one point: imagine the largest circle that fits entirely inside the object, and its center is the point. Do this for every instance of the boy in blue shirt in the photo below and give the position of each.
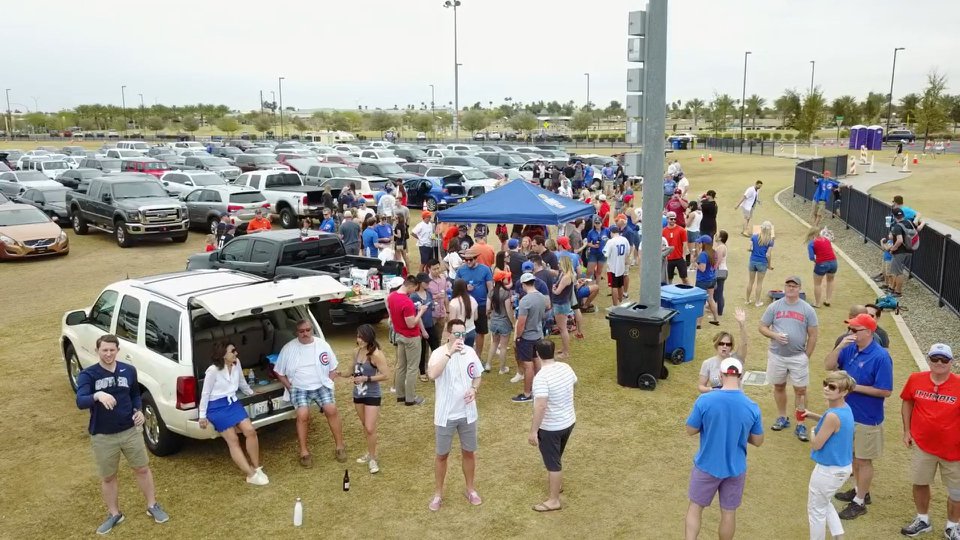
(596, 238)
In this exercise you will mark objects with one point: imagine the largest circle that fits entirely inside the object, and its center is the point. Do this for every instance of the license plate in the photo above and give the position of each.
(257, 409)
(40, 250)
(278, 403)
(463, 200)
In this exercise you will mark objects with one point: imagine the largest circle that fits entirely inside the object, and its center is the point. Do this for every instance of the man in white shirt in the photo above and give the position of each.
(553, 418)
(750, 199)
(306, 367)
(386, 204)
(457, 369)
(423, 232)
(616, 250)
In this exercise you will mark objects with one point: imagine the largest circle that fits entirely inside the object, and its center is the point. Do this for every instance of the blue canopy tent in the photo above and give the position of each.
(518, 202)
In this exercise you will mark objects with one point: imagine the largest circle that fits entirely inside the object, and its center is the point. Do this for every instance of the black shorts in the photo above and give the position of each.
(552, 444)
(678, 266)
(371, 401)
(616, 282)
(524, 350)
(426, 254)
(481, 322)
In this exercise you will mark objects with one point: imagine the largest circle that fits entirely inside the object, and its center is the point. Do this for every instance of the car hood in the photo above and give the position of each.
(296, 189)
(22, 233)
(140, 202)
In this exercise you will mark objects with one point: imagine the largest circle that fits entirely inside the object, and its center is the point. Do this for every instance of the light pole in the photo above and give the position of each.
(588, 88)
(743, 96)
(813, 66)
(142, 112)
(123, 102)
(432, 96)
(261, 103)
(280, 87)
(8, 118)
(890, 95)
(456, 70)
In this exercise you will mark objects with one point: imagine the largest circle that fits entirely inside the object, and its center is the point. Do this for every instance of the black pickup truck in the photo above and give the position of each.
(287, 252)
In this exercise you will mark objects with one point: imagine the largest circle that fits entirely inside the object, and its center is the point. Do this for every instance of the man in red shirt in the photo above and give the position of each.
(676, 237)
(604, 210)
(405, 317)
(258, 223)
(678, 205)
(931, 426)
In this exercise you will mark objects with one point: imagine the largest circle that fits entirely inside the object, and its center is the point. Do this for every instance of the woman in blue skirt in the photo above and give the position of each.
(219, 406)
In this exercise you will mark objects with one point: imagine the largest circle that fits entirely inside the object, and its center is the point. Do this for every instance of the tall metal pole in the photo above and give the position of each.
(142, 112)
(890, 95)
(743, 95)
(261, 103)
(8, 118)
(123, 102)
(432, 98)
(456, 70)
(651, 160)
(813, 66)
(588, 88)
(280, 87)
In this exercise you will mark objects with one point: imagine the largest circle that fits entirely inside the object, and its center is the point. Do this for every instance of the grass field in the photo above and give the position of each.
(932, 183)
(627, 465)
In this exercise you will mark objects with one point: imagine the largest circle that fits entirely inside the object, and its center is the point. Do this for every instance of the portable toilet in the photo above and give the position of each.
(874, 137)
(857, 136)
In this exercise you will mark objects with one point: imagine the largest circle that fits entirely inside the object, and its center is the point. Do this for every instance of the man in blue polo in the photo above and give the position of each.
(596, 239)
(821, 197)
(871, 366)
(479, 280)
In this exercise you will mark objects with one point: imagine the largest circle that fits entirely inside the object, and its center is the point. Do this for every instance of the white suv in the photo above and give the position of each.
(168, 324)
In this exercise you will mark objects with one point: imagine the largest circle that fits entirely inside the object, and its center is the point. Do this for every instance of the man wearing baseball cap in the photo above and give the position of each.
(931, 428)
(791, 325)
(530, 316)
(423, 232)
(726, 420)
(902, 230)
(676, 238)
(859, 354)
(616, 252)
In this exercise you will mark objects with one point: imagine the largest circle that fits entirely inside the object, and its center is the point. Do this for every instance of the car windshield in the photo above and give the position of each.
(128, 153)
(22, 216)
(390, 168)
(513, 159)
(230, 150)
(130, 190)
(473, 174)
(31, 176)
(344, 172)
(141, 146)
(247, 197)
(156, 166)
(53, 165)
(55, 196)
(208, 180)
(110, 164)
(474, 161)
(262, 160)
(92, 173)
(214, 162)
(416, 152)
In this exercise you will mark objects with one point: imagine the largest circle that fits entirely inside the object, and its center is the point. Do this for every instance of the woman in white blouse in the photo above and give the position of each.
(219, 406)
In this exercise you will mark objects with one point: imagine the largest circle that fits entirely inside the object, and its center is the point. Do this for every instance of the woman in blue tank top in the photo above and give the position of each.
(369, 369)
(833, 454)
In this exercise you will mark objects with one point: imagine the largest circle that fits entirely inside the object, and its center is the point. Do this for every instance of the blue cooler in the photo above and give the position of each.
(688, 301)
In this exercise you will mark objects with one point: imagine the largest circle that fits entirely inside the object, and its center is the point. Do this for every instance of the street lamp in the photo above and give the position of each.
(456, 70)
(813, 66)
(123, 102)
(588, 88)
(280, 87)
(890, 95)
(142, 109)
(432, 95)
(8, 119)
(743, 95)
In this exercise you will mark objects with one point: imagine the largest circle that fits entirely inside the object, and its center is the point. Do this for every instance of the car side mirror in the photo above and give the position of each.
(76, 317)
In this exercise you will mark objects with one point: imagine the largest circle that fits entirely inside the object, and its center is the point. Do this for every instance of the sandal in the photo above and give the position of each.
(579, 335)
(715, 323)
(306, 461)
(544, 508)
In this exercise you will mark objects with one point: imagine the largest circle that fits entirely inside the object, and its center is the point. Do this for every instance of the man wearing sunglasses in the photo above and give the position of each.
(931, 427)
(870, 365)
(676, 238)
(479, 280)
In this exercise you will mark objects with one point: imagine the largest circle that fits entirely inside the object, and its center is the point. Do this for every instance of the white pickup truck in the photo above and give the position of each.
(288, 195)
(168, 324)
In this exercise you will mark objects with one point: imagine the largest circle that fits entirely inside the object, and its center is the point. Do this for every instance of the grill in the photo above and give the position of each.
(42, 242)
(161, 215)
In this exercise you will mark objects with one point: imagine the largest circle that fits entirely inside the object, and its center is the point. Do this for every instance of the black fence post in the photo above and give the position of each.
(943, 262)
(866, 225)
(846, 211)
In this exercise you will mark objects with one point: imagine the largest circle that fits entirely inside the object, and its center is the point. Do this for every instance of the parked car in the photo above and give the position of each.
(25, 231)
(474, 180)
(685, 137)
(440, 153)
(178, 183)
(182, 146)
(102, 164)
(153, 167)
(259, 151)
(123, 154)
(467, 161)
(472, 148)
(51, 200)
(421, 136)
(257, 162)
(897, 135)
(138, 146)
(227, 152)
(10, 158)
(381, 155)
(290, 198)
(71, 178)
(168, 324)
(437, 193)
(385, 169)
(74, 150)
(212, 164)
(413, 155)
(51, 168)
(13, 183)
(501, 159)
(343, 159)
(129, 208)
(206, 205)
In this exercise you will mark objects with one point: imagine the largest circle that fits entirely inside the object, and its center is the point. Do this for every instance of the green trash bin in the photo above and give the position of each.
(640, 332)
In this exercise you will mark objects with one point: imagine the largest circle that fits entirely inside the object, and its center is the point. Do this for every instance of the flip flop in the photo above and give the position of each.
(544, 508)
(715, 323)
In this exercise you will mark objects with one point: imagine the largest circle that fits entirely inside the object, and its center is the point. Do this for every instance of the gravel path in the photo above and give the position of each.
(927, 322)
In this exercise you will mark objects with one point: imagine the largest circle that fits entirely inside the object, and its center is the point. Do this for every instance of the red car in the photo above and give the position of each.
(150, 166)
(348, 160)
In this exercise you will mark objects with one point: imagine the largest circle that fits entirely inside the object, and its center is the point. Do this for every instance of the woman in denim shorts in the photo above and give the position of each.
(761, 249)
(820, 251)
(500, 314)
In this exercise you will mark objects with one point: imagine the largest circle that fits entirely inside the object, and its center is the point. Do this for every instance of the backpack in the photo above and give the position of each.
(887, 302)
(911, 236)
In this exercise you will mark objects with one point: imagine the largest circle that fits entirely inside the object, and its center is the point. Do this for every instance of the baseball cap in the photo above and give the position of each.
(347, 214)
(705, 239)
(677, 191)
(513, 243)
(463, 228)
(602, 197)
(671, 214)
(527, 278)
(940, 349)
(425, 215)
(423, 277)
(620, 216)
(794, 279)
(898, 213)
(527, 266)
(501, 275)
(614, 229)
(394, 283)
(563, 242)
(864, 321)
(597, 219)
(731, 366)
(480, 230)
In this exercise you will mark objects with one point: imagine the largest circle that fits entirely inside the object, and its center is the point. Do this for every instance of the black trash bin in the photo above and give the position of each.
(640, 332)
(683, 144)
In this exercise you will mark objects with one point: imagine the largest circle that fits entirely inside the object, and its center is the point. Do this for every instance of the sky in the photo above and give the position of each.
(380, 53)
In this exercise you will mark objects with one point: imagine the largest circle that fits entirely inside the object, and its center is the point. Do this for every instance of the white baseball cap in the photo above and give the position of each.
(731, 366)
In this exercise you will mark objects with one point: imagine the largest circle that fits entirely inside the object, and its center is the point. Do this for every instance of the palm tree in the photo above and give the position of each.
(754, 106)
(696, 107)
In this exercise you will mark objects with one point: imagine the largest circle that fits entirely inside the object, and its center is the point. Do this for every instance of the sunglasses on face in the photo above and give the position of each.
(458, 334)
(855, 330)
(830, 386)
(940, 359)
(469, 259)
(724, 344)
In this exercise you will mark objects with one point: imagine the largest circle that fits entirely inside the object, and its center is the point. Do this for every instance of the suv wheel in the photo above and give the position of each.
(79, 224)
(288, 220)
(159, 440)
(432, 205)
(120, 233)
(212, 227)
(73, 365)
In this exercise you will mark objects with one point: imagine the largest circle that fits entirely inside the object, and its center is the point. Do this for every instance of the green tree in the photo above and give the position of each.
(118, 123)
(474, 120)
(811, 114)
(339, 121)
(754, 107)
(380, 121)
(581, 120)
(933, 110)
(788, 108)
(87, 124)
(614, 110)
(321, 119)
(36, 120)
(155, 124)
(423, 122)
(696, 110)
(444, 120)
(954, 111)
(263, 123)
(523, 121)
(848, 108)
(908, 107)
(720, 108)
(300, 123)
(190, 124)
(873, 107)
(228, 124)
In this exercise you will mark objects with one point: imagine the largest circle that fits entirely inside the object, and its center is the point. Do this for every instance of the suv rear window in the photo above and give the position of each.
(301, 252)
(248, 197)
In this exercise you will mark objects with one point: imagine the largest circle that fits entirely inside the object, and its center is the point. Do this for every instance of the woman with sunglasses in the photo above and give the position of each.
(219, 406)
(463, 307)
(723, 343)
(833, 454)
(370, 368)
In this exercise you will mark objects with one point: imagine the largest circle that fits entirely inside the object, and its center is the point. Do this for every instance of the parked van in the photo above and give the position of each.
(139, 146)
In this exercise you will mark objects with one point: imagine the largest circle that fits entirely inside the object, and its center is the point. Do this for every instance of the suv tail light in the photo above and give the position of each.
(234, 208)
(265, 205)
(186, 393)
(305, 201)
(367, 195)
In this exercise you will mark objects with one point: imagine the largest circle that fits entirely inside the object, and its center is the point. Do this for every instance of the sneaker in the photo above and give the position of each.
(364, 458)
(917, 526)
(486, 367)
(520, 398)
(759, 303)
(157, 513)
(853, 511)
(110, 523)
(435, 504)
(340, 454)
(782, 423)
(951, 533)
(373, 466)
(258, 478)
(517, 378)
(801, 433)
(473, 497)
(416, 401)
(263, 475)
(504, 370)
(849, 495)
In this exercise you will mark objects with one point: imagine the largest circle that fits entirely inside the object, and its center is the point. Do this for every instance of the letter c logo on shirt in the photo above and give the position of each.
(325, 358)
(472, 371)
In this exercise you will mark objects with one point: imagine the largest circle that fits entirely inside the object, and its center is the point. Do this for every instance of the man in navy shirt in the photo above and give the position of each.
(479, 280)
(109, 389)
(825, 187)
(726, 420)
(871, 366)
(328, 225)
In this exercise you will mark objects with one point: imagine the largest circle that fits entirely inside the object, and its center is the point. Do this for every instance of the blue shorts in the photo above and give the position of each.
(583, 292)
(754, 266)
(500, 327)
(707, 285)
(826, 267)
(562, 308)
(302, 398)
(595, 257)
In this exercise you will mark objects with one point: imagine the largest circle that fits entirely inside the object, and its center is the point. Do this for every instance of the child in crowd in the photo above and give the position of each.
(211, 243)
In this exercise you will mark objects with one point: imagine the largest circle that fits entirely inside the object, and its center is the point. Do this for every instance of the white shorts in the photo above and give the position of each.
(797, 367)
(747, 212)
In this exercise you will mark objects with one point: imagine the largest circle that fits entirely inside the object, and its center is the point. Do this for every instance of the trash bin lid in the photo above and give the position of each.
(636, 312)
(682, 293)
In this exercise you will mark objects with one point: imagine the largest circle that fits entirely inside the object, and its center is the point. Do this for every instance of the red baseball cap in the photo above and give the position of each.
(563, 242)
(864, 321)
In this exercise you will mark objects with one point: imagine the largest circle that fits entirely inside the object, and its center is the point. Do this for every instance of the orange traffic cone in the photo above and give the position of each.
(701, 158)
(709, 157)
(915, 160)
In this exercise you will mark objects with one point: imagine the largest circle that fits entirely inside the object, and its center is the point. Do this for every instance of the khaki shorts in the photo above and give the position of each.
(797, 368)
(867, 441)
(923, 469)
(108, 447)
(747, 214)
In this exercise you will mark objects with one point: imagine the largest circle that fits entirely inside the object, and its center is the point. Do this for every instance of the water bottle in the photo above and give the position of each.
(251, 377)
(298, 513)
